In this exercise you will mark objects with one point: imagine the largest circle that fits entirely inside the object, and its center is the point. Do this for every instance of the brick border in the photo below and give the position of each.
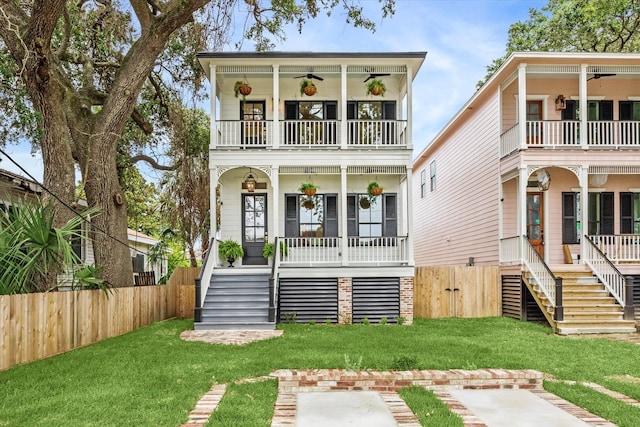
(205, 406)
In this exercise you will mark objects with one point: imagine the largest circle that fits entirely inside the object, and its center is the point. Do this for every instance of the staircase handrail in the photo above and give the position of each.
(605, 271)
(204, 280)
(274, 276)
(541, 272)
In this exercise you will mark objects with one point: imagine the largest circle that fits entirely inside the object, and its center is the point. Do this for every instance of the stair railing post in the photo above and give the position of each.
(628, 298)
(197, 311)
(558, 313)
(272, 308)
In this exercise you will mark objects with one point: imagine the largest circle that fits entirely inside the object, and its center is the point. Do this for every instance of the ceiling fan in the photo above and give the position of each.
(596, 76)
(309, 76)
(374, 75)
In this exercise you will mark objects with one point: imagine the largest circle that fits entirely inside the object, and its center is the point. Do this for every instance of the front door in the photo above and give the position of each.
(254, 228)
(535, 230)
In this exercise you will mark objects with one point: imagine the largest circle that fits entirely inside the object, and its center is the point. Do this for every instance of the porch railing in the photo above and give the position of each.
(619, 248)
(245, 133)
(309, 132)
(608, 274)
(511, 250)
(543, 276)
(377, 250)
(566, 133)
(376, 133)
(204, 280)
(310, 250)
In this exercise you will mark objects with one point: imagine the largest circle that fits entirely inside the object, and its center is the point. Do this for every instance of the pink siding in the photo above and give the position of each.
(460, 218)
(509, 208)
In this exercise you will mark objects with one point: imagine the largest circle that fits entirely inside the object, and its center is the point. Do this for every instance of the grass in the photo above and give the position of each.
(431, 411)
(152, 377)
(248, 404)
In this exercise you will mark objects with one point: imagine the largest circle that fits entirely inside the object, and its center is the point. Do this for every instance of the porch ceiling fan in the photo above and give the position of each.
(309, 76)
(374, 75)
(596, 76)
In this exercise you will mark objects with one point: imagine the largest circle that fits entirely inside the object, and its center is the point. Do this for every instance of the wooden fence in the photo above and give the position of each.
(457, 291)
(40, 325)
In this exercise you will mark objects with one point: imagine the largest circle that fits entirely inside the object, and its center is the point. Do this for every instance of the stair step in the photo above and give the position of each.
(591, 307)
(238, 326)
(595, 327)
(591, 315)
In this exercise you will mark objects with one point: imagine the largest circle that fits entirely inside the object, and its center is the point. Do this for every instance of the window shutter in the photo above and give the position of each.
(607, 213)
(352, 108)
(331, 110)
(291, 228)
(330, 130)
(569, 113)
(290, 129)
(626, 110)
(352, 215)
(331, 215)
(390, 226)
(606, 110)
(389, 128)
(569, 226)
(626, 213)
(290, 110)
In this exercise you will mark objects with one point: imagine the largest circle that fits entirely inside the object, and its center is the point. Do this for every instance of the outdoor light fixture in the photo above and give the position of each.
(561, 103)
(544, 180)
(250, 182)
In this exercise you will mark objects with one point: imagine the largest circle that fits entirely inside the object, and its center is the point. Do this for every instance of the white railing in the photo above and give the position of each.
(309, 132)
(376, 250)
(244, 133)
(553, 133)
(608, 274)
(614, 134)
(540, 272)
(619, 248)
(511, 250)
(376, 133)
(509, 141)
(207, 270)
(310, 250)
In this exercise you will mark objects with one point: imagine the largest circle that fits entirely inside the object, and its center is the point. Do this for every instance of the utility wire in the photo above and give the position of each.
(62, 202)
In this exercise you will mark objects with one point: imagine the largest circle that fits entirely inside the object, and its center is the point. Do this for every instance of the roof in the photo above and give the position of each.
(509, 67)
(24, 183)
(139, 237)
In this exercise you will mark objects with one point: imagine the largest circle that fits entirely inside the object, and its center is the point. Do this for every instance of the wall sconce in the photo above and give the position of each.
(561, 103)
(544, 180)
(249, 182)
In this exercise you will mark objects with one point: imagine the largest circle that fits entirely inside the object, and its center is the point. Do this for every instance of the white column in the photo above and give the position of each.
(584, 140)
(522, 201)
(343, 107)
(276, 108)
(275, 196)
(343, 215)
(213, 183)
(409, 131)
(584, 210)
(409, 215)
(522, 106)
(213, 138)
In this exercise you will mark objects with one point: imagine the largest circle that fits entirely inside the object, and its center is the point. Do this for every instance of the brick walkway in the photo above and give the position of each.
(229, 337)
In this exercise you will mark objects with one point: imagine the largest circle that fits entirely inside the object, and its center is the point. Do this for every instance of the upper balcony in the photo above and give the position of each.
(341, 114)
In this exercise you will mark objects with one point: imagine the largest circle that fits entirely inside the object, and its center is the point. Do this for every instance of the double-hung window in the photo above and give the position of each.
(601, 213)
(371, 122)
(377, 220)
(319, 218)
(423, 183)
(629, 213)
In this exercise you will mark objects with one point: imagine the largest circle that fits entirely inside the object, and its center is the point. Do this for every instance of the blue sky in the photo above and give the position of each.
(461, 37)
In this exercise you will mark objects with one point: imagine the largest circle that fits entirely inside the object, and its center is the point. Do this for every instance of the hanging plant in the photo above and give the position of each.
(374, 189)
(365, 203)
(307, 87)
(376, 88)
(242, 88)
(308, 203)
(308, 189)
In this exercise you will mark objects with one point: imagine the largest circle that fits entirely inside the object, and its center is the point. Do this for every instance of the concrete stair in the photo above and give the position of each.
(237, 300)
(588, 306)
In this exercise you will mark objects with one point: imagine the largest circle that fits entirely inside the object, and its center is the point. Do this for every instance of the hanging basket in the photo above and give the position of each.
(310, 192)
(308, 204)
(365, 203)
(376, 91)
(244, 89)
(310, 90)
(375, 191)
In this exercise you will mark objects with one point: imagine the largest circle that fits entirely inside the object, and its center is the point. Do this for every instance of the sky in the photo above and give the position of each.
(461, 37)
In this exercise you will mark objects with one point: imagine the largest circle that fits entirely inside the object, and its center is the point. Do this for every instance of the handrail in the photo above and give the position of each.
(205, 274)
(603, 268)
(273, 285)
(542, 274)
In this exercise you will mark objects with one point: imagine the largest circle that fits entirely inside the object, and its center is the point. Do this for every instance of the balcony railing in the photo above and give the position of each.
(312, 133)
(328, 250)
(566, 134)
(619, 248)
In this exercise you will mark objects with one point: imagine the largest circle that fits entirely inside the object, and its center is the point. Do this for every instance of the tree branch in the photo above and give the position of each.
(141, 9)
(67, 35)
(142, 123)
(153, 163)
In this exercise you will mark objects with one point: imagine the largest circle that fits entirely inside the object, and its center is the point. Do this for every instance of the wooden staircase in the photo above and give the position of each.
(588, 306)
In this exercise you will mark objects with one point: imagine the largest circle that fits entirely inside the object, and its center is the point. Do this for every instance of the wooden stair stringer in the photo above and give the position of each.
(541, 300)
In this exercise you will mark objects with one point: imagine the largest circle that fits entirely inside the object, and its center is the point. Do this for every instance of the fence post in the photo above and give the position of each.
(558, 313)
(197, 311)
(628, 298)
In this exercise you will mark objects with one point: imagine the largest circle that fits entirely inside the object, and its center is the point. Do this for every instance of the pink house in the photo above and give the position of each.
(539, 173)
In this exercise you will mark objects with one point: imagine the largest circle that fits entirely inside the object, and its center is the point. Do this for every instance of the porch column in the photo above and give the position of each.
(343, 110)
(583, 179)
(213, 138)
(275, 196)
(522, 201)
(344, 230)
(522, 105)
(409, 216)
(584, 140)
(275, 133)
(213, 183)
(409, 132)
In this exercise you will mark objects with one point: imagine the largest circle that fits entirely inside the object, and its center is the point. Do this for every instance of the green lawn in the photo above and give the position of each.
(151, 377)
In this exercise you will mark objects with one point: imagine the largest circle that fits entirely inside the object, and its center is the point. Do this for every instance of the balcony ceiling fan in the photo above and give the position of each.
(596, 76)
(309, 76)
(375, 75)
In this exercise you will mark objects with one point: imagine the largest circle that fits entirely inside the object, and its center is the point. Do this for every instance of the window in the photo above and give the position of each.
(432, 174)
(374, 122)
(253, 128)
(600, 213)
(570, 218)
(629, 112)
(303, 220)
(380, 219)
(299, 127)
(76, 241)
(629, 213)
(423, 183)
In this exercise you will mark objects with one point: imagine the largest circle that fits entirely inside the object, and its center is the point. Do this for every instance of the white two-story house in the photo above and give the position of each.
(309, 119)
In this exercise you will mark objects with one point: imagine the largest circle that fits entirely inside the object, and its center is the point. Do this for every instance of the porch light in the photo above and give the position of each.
(250, 182)
(561, 103)
(544, 180)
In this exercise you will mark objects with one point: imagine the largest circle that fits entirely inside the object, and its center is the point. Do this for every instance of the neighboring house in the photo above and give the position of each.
(539, 173)
(13, 186)
(340, 261)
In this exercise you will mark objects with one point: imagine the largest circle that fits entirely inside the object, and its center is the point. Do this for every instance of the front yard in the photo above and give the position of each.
(152, 377)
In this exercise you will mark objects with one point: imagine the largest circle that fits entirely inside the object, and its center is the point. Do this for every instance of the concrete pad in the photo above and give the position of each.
(514, 408)
(343, 409)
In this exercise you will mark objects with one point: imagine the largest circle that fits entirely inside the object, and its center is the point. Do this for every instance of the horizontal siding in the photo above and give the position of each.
(512, 296)
(460, 218)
